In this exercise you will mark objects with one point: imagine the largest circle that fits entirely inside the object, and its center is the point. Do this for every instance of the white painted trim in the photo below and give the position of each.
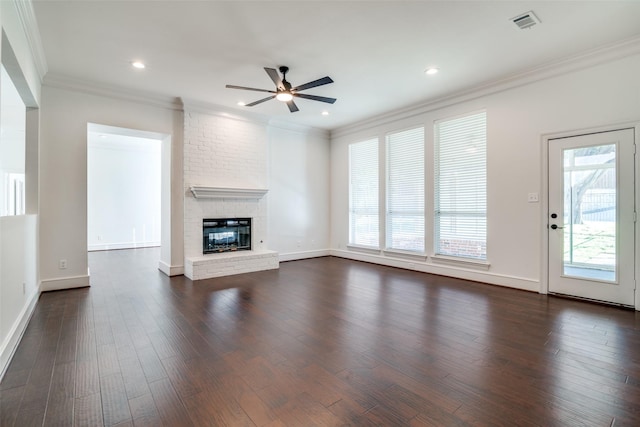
(637, 208)
(293, 256)
(171, 270)
(64, 283)
(544, 212)
(462, 262)
(399, 253)
(110, 91)
(10, 344)
(522, 283)
(295, 127)
(203, 192)
(193, 106)
(30, 27)
(123, 245)
(583, 60)
(364, 249)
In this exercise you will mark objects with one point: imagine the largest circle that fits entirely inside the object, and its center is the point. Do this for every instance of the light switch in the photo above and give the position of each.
(532, 198)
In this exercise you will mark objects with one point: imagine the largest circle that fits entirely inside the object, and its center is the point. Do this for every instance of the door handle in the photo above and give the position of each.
(555, 227)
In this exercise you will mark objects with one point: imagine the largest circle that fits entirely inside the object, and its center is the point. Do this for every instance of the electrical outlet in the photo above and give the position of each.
(532, 198)
(62, 264)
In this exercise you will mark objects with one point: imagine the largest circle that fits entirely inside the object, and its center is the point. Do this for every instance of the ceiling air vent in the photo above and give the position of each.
(526, 20)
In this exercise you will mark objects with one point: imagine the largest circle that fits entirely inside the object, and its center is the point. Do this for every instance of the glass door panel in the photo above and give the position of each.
(590, 212)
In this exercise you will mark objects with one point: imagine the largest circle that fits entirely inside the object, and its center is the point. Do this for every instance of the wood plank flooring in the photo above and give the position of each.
(320, 342)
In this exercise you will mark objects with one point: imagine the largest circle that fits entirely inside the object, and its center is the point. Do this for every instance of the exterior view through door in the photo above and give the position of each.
(591, 218)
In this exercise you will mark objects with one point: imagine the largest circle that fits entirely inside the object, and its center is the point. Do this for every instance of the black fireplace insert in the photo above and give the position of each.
(225, 235)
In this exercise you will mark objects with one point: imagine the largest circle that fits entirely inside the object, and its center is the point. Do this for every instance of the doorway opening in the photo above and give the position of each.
(125, 188)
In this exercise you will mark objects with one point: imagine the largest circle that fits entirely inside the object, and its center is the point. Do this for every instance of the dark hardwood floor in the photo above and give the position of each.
(321, 342)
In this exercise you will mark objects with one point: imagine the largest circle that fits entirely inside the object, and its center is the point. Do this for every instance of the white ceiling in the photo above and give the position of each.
(375, 51)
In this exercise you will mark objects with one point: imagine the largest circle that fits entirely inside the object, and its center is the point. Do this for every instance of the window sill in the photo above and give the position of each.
(398, 253)
(461, 262)
(364, 249)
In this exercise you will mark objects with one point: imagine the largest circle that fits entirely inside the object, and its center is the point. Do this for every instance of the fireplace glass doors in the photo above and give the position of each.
(225, 235)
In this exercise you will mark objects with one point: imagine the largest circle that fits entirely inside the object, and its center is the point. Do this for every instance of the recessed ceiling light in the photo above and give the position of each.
(242, 104)
(138, 64)
(431, 71)
(325, 113)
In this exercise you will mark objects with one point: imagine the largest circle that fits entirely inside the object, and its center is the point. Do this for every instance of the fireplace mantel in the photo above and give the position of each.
(203, 192)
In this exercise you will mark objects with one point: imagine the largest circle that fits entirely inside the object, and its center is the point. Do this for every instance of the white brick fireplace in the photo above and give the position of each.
(225, 166)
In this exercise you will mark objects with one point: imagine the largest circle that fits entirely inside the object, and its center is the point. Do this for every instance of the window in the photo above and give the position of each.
(461, 187)
(363, 194)
(405, 190)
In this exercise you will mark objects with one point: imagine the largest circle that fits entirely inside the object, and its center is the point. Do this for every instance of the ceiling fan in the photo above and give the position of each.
(284, 92)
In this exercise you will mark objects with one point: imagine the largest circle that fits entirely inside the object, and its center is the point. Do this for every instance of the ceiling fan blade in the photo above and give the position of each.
(315, 83)
(315, 98)
(275, 77)
(260, 101)
(249, 88)
(292, 106)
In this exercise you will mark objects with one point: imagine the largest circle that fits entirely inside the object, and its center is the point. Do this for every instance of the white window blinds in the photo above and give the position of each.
(405, 190)
(363, 194)
(461, 187)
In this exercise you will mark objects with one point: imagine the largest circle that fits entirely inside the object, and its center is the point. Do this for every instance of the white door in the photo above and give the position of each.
(591, 220)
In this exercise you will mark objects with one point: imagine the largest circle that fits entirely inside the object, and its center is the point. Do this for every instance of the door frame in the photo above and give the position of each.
(544, 198)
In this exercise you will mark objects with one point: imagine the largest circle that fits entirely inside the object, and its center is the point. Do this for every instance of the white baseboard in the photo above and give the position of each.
(444, 270)
(10, 344)
(125, 245)
(292, 256)
(64, 283)
(170, 270)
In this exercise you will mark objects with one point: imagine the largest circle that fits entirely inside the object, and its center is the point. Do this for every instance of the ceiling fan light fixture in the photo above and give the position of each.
(284, 96)
(284, 92)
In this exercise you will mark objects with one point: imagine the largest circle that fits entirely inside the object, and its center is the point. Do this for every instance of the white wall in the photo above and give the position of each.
(18, 235)
(517, 118)
(123, 178)
(18, 279)
(298, 192)
(63, 177)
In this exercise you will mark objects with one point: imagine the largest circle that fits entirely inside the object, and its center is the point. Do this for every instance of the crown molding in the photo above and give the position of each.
(584, 60)
(29, 24)
(60, 81)
(294, 127)
(192, 105)
(181, 104)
